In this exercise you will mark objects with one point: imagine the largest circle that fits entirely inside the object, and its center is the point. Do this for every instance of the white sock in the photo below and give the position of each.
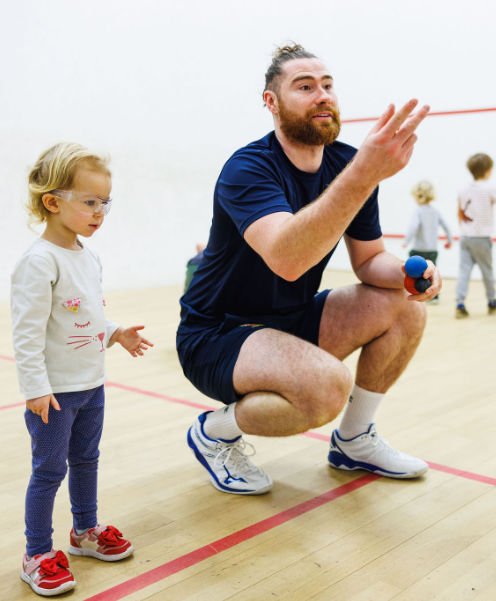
(359, 412)
(222, 424)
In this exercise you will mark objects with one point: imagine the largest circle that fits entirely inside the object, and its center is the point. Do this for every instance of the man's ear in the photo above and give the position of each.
(51, 202)
(270, 100)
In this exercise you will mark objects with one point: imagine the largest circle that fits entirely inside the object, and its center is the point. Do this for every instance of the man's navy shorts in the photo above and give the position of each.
(208, 355)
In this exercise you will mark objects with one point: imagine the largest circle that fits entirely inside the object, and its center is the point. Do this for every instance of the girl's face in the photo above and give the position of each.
(81, 210)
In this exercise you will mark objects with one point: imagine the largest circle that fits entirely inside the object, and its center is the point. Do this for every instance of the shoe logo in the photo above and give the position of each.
(230, 478)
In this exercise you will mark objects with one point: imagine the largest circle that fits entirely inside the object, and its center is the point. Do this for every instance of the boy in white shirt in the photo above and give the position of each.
(60, 335)
(475, 214)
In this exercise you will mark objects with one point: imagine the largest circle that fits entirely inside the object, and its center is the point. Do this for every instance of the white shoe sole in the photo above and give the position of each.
(378, 472)
(91, 553)
(259, 491)
(63, 588)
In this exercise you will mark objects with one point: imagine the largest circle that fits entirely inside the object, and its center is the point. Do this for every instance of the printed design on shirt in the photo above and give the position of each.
(72, 304)
(463, 213)
(104, 302)
(85, 340)
(82, 325)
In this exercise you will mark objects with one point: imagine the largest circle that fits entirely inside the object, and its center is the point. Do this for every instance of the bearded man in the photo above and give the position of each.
(255, 332)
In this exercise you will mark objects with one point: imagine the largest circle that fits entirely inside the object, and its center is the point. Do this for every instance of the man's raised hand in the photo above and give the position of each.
(389, 144)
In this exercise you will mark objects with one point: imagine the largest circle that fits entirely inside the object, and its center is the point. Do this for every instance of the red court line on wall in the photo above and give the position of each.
(222, 544)
(431, 114)
(441, 237)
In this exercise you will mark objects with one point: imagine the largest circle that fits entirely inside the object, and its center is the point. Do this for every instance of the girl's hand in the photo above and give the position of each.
(41, 405)
(133, 342)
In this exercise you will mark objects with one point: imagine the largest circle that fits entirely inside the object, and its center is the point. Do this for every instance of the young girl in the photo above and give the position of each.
(60, 335)
(424, 226)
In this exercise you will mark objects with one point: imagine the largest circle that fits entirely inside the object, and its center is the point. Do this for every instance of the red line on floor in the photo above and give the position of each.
(222, 544)
(462, 473)
(315, 435)
(12, 405)
(159, 395)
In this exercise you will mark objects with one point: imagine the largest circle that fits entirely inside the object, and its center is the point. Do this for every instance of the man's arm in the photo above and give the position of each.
(374, 266)
(292, 244)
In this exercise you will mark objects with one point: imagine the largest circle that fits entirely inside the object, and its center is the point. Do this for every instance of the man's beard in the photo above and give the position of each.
(308, 131)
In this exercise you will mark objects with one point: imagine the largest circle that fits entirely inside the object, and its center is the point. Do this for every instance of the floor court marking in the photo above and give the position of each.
(315, 435)
(227, 542)
(198, 555)
(12, 405)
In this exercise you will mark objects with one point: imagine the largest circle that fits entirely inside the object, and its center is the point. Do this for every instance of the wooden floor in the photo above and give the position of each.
(321, 534)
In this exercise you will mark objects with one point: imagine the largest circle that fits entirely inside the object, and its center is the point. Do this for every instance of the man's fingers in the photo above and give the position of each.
(397, 120)
(383, 119)
(410, 141)
(44, 415)
(54, 403)
(412, 123)
(407, 148)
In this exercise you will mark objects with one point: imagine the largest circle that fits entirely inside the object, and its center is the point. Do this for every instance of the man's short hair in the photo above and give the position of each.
(283, 54)
(479, 164)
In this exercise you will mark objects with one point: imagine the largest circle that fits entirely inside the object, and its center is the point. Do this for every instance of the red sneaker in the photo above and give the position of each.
(103, 542)
(48, 574)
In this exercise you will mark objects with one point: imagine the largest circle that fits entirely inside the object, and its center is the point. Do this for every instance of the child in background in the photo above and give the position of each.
(475, 214)
(60, 335)
(424, 227)
(193, 264)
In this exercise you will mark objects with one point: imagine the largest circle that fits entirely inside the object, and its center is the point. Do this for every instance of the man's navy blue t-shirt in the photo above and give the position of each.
(232, 279)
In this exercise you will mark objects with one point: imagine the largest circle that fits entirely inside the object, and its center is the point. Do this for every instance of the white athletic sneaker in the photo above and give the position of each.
(227, 462)
(370, 452)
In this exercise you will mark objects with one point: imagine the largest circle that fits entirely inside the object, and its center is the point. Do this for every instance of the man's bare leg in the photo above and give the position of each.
(388, 329)
(386, 326)
(289, 385)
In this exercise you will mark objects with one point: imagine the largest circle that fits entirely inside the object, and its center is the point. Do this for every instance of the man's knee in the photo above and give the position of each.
(329, 396)
(407, 315)
(414, 317)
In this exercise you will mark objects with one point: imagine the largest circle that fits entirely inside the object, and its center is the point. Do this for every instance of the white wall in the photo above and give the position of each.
(170, 89)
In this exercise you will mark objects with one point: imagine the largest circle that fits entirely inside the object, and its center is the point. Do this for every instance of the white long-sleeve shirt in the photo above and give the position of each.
(424, 228)
(59, 328)
(476, 201)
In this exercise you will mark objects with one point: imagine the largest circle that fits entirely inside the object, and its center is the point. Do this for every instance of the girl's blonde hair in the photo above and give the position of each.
(423, 192)
(55, 170)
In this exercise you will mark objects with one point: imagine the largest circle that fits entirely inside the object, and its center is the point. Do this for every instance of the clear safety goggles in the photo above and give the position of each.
(86, 203)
